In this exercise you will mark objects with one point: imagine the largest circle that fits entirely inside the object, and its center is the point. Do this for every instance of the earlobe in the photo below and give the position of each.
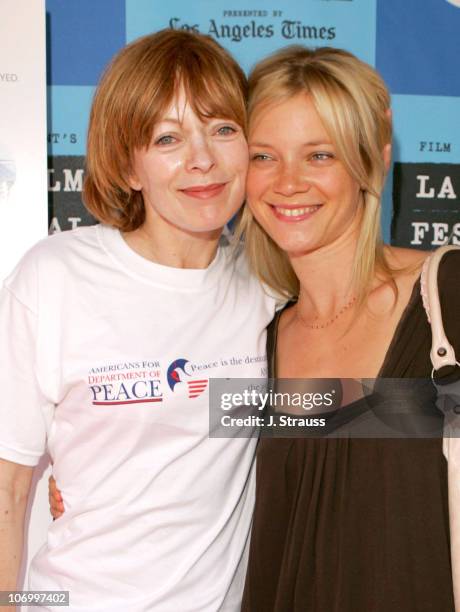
(134, 183)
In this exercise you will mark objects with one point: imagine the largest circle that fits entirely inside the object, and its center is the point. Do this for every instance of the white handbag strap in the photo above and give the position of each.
(442, 352)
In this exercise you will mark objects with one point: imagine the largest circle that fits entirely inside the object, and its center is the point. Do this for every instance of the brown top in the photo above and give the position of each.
(358, 525)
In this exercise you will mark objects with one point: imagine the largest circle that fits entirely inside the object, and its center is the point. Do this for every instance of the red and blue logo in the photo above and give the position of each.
(180, 371)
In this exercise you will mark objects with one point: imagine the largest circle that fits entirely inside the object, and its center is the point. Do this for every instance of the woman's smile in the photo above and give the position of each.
(294, 213)
(204, 192)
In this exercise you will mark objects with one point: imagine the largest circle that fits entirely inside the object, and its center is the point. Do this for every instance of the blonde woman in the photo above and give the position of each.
(340, 525)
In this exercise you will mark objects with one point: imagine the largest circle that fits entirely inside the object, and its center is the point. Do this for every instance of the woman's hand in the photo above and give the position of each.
(55, 499)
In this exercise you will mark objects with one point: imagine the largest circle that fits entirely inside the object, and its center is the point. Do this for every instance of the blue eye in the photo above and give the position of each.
(165, 140)
(226, 130)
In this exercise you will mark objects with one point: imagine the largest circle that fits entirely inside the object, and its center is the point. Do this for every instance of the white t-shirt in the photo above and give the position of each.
(105, 359)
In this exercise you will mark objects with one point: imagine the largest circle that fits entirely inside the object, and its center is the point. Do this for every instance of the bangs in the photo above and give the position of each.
(210, 88)
(213, 89)
(210, 98)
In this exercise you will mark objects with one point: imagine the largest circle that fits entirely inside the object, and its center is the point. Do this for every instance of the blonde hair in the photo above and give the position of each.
(352, 101)
(137, 88)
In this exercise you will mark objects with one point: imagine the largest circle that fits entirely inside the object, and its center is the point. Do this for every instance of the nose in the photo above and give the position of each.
(200, 155)
(290, 180)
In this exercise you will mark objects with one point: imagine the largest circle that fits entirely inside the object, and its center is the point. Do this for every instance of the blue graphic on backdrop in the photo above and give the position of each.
(424, 129)
(418, 46)
(253, 30)
(68, 109)
(82, 37)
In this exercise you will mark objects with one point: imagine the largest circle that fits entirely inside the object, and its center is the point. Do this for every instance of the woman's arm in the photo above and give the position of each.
(15, 482)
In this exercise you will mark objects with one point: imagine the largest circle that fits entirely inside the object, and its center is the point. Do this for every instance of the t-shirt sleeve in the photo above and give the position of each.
(22, 404)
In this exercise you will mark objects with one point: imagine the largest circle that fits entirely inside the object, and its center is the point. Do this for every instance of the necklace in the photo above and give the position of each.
(330, 321)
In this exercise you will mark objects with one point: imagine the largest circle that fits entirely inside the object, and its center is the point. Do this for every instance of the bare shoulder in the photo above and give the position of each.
(407, 265)
(405, 259)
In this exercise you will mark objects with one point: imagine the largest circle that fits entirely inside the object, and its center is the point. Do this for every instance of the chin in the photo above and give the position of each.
(290, 244)
(296, 248)
(213, 221)
(208, 229)
(207, 225)
(295, 251)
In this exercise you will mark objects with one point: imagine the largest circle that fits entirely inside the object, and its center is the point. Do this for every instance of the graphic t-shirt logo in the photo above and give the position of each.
(180, 371)
(127, 382)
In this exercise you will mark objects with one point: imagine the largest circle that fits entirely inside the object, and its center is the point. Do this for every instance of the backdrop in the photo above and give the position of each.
(415, 44)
